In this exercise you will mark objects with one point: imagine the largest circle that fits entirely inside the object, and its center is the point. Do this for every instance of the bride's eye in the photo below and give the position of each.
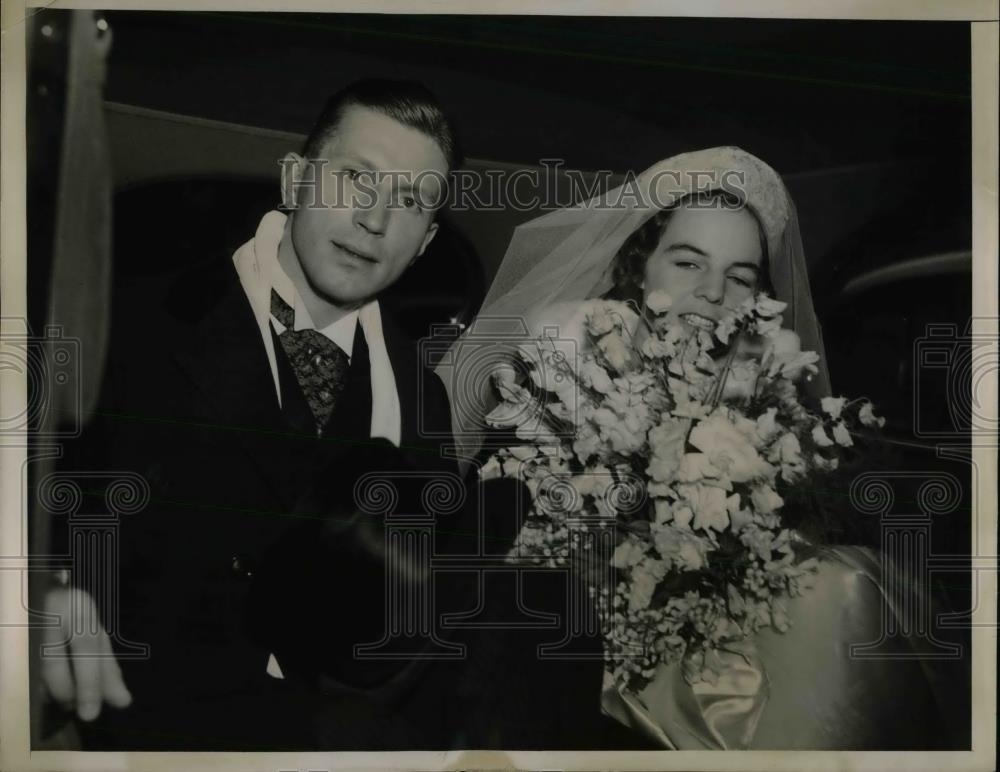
(685, 264)
(741, 281)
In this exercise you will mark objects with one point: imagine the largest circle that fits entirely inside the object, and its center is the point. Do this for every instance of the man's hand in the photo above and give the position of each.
(80, 670)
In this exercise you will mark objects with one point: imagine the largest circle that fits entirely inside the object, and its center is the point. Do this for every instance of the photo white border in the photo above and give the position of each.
(14, 722)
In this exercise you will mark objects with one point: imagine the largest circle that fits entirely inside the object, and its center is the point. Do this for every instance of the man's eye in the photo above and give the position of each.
(409, 202)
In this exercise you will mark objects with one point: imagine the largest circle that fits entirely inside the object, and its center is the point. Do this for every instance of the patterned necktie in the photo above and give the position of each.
(319, 364)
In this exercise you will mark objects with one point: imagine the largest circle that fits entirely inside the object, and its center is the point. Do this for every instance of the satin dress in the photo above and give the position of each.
(818, 686)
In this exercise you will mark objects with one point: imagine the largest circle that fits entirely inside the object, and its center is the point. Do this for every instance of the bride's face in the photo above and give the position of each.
(708, 261)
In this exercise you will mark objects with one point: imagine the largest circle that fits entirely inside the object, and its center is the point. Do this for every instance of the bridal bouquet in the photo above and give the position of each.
(682, 440)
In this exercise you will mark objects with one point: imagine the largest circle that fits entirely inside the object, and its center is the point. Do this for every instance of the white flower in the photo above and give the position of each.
(765, 499)
(561, 411)
(784, 356)
(667, 443)
(745, 426)
(784, 342)
(708, 503)
(740, 519)
(602, 319)
(657, 489)
(792, 366)
(768, 327)
(681, 548)
(615, 350)
(686, 400)
(825, 464)
(678, 515)
(768, 307)
(767, 425)
(512, 411)
(659, 302)
(841, 435)
(820, 436)
(491, 470)
(759, 540)
(623, 433)
(867, 416)
(595, 376)
(683, 516)
(729, 449)
(645, 577)
(504, 375)
(554, 499)
(523, 452)
(788, 453)
(833, 406)
(726, 327)
(693, 554)
(654, 347)
(593, 482)
(623, 439)
(587, 443)
(697, 466)
(628, 553)
(604, 417)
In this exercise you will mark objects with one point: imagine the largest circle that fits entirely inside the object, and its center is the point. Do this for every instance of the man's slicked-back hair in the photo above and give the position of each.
(408, 102)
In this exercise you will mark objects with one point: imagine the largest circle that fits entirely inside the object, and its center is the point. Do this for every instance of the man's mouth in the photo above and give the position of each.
(355, 253)
(697, 320)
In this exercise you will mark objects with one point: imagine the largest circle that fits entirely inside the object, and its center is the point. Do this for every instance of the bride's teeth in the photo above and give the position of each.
(700, 321)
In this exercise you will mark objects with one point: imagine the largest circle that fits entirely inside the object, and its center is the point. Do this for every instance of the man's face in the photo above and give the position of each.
(708, 261)
(359, 231)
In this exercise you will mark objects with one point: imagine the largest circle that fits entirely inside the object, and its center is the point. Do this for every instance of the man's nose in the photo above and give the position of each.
(375, 218)
(712, 289)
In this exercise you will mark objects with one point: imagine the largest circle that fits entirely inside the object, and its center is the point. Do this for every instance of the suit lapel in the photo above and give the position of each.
(406, 371)
(219, 347)
(425, 416)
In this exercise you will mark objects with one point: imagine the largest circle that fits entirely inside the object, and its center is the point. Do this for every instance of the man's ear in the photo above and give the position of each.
(291, 174)
(432, 229)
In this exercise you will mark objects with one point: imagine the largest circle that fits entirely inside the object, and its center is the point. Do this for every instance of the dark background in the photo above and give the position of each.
(616, 93)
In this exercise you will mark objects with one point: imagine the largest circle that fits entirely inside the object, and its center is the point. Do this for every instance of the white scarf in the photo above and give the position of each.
(254, 262)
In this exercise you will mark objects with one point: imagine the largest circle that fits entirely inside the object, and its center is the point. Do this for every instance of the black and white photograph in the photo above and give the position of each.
(577, 387)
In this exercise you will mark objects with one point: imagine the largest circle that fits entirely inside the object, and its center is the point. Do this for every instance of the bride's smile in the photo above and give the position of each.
(697, 320)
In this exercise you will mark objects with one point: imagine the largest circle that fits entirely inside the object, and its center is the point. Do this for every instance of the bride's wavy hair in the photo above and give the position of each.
(628, 269)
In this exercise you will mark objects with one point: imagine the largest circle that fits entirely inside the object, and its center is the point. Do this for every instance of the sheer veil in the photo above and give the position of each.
(566, 256)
